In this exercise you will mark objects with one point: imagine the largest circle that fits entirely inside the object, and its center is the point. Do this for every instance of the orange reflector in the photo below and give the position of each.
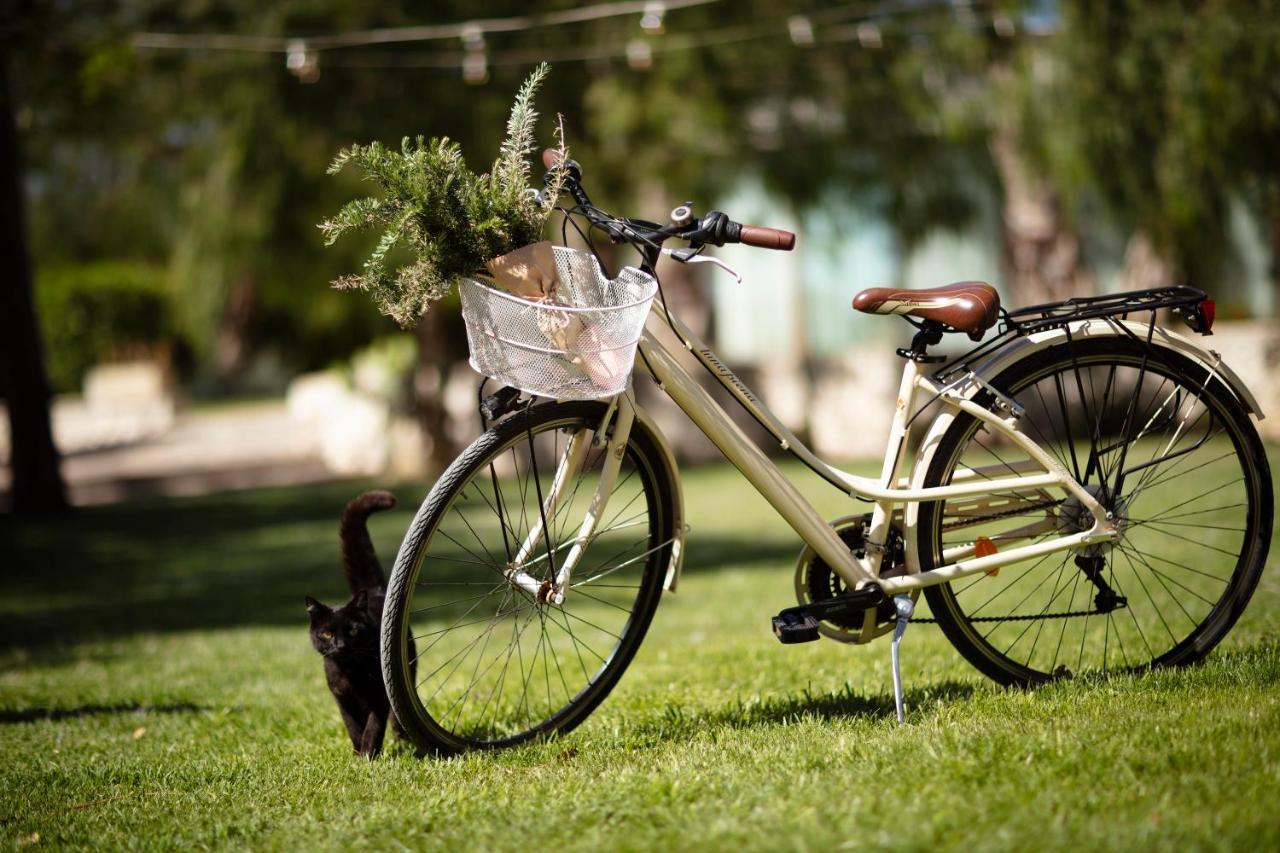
(984, 547)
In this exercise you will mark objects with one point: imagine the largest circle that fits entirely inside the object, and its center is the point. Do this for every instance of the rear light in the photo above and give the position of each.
(1207, 310)
(1200, 316)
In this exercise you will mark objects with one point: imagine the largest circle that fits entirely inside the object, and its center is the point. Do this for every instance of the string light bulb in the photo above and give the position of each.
(639, 55)
(302, 62)
(475, 67)
(800, 29)
(475, 57)
(651, 20)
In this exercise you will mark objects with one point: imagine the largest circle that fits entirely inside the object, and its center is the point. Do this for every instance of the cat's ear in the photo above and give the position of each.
(314, 606)
(360, 601)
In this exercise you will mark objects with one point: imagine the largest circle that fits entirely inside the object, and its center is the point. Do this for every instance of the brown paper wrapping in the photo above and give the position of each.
(528, 272)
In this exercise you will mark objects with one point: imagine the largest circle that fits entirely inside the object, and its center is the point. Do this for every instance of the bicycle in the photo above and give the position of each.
(1092, 496)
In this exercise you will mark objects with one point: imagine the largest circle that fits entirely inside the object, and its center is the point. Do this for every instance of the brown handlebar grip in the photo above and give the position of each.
(550, 156)
(767, 238)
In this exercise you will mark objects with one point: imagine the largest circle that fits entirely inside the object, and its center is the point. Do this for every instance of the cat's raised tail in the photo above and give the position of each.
(359, 560)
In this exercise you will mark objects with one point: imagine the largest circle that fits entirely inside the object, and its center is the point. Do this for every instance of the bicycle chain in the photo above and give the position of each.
(1027, 617)
(995, 515)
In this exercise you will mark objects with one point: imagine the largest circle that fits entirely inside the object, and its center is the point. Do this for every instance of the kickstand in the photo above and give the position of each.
(905, 607)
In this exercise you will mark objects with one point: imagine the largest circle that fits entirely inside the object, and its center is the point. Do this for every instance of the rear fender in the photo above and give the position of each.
(1163, 338)
(1025, 347)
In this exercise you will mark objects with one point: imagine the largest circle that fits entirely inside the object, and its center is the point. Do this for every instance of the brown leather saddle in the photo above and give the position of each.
(965, 306)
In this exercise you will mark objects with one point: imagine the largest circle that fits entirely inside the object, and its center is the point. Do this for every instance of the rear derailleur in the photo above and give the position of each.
(1093, 568)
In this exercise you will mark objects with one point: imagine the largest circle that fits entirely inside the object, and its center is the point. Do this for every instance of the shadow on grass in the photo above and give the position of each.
(30, 715)
(228, 560)
(678, 724)
(1255, 666)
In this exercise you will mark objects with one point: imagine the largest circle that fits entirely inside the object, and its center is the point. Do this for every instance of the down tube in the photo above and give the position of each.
(716, 425)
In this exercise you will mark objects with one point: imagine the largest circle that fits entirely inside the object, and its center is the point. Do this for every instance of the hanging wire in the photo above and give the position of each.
(401, 35)
(866, 32)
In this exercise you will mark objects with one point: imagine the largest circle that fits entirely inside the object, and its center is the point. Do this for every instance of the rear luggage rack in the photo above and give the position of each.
(1025, 321)
(1189, 303)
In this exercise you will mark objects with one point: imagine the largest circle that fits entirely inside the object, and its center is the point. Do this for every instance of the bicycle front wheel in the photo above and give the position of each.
(474, 660)
(1169, 451)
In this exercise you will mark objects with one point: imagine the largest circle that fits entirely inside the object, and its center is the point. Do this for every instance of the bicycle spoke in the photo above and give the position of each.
(497, 661)
(1057, 577)
(1183, 517)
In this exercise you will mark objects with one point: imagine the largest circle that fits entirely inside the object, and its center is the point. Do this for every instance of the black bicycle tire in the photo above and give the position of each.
(1215, 625)
(427, 735)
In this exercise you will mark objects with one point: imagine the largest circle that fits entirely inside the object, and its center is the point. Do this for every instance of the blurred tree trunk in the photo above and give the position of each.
(233, 346)
(1145, 266)
(430, 378)
(37, 480)
(1042, 252)
(1274, 218)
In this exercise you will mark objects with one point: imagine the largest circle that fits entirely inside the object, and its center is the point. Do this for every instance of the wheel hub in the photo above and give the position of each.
(1074, 517)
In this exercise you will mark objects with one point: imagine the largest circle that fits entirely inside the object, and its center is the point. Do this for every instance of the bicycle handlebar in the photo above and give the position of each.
(767, 238)
(715, 227)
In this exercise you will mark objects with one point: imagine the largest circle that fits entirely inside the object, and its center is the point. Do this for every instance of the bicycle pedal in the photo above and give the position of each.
(799, 624)
(793, 625)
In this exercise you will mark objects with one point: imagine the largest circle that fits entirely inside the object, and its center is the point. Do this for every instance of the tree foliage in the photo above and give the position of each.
(208, 162)
(450, 220)
(1162, 113)
(98, 312)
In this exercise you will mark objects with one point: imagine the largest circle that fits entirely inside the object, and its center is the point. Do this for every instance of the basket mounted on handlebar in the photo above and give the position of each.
(579, 344)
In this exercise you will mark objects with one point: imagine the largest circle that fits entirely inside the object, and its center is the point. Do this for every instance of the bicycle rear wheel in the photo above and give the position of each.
(1164, 446)
(472, 660)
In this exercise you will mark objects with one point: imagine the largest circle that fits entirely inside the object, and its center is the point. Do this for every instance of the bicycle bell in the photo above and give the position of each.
(682, 215)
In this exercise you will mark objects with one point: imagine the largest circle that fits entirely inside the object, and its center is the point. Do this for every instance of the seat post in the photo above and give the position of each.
(929, 333)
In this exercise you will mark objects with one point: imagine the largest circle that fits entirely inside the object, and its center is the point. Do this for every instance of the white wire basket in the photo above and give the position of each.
(578, 345)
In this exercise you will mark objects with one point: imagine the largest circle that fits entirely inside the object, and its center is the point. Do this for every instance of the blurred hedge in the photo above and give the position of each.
(109, 311)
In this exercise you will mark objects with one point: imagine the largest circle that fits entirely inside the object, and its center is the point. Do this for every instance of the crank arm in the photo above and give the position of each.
(799, 624)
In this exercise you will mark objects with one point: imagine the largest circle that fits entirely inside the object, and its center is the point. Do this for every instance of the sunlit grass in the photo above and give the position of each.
(158, 690)
(1182, 530)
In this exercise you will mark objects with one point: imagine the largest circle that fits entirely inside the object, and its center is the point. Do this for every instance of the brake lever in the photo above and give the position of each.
(690, 255)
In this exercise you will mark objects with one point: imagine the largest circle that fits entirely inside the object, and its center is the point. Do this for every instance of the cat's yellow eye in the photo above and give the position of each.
(328, 635)
(354, 630)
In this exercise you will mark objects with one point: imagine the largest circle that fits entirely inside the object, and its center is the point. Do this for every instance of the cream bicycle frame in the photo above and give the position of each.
(889, 492)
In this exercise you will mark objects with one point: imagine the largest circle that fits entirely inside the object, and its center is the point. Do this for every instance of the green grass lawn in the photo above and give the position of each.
(158, 690)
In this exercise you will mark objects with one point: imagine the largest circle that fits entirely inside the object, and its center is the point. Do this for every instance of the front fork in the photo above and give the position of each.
(556, 579)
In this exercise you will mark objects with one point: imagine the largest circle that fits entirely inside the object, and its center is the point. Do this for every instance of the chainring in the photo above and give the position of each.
(818, 582)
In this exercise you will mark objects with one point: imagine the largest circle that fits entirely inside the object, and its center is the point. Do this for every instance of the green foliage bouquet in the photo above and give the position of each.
(451, 221)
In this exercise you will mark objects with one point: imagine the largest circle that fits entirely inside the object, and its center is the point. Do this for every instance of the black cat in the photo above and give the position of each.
(348, 635)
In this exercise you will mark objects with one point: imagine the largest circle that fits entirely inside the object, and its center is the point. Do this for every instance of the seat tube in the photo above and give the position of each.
(878, 535)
